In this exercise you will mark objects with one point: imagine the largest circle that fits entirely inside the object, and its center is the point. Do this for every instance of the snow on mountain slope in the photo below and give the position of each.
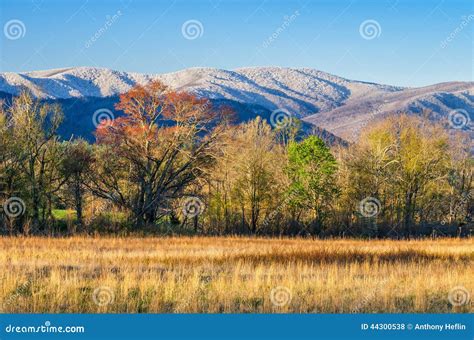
(300, 91)
(346, 121)
(71, 82)
(336, 104)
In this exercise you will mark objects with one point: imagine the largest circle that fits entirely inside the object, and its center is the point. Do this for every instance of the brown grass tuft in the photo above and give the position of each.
(232, 275)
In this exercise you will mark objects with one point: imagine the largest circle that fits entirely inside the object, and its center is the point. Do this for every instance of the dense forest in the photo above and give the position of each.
(174, 164)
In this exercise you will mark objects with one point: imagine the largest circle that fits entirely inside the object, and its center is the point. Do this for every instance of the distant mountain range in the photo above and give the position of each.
(337, 107)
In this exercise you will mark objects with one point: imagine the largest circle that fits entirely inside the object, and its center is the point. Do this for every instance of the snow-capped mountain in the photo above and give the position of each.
(302, 91)
(438, 101)
(71, 82)
(336, 104)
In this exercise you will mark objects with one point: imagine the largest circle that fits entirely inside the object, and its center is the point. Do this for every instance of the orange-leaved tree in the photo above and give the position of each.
(149, 156)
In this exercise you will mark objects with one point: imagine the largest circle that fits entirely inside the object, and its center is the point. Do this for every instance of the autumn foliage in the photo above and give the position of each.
(174, 163)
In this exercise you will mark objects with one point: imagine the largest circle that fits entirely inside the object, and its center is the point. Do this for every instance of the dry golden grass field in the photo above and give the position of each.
(235, 275)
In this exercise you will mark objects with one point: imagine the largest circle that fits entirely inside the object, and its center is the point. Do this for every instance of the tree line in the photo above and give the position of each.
(174, 163)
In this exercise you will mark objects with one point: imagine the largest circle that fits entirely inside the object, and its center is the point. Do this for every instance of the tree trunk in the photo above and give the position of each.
(78, 203)
(407, 213)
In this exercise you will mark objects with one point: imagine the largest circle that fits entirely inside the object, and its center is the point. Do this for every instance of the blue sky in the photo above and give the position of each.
(414, 43)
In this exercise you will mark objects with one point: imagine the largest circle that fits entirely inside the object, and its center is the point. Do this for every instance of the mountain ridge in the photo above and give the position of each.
(336, 104)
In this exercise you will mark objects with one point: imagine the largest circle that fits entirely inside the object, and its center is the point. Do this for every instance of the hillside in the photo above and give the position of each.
(338, 105)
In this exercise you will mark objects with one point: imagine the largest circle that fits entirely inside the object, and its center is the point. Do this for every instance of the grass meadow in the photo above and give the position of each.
(234, 275)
